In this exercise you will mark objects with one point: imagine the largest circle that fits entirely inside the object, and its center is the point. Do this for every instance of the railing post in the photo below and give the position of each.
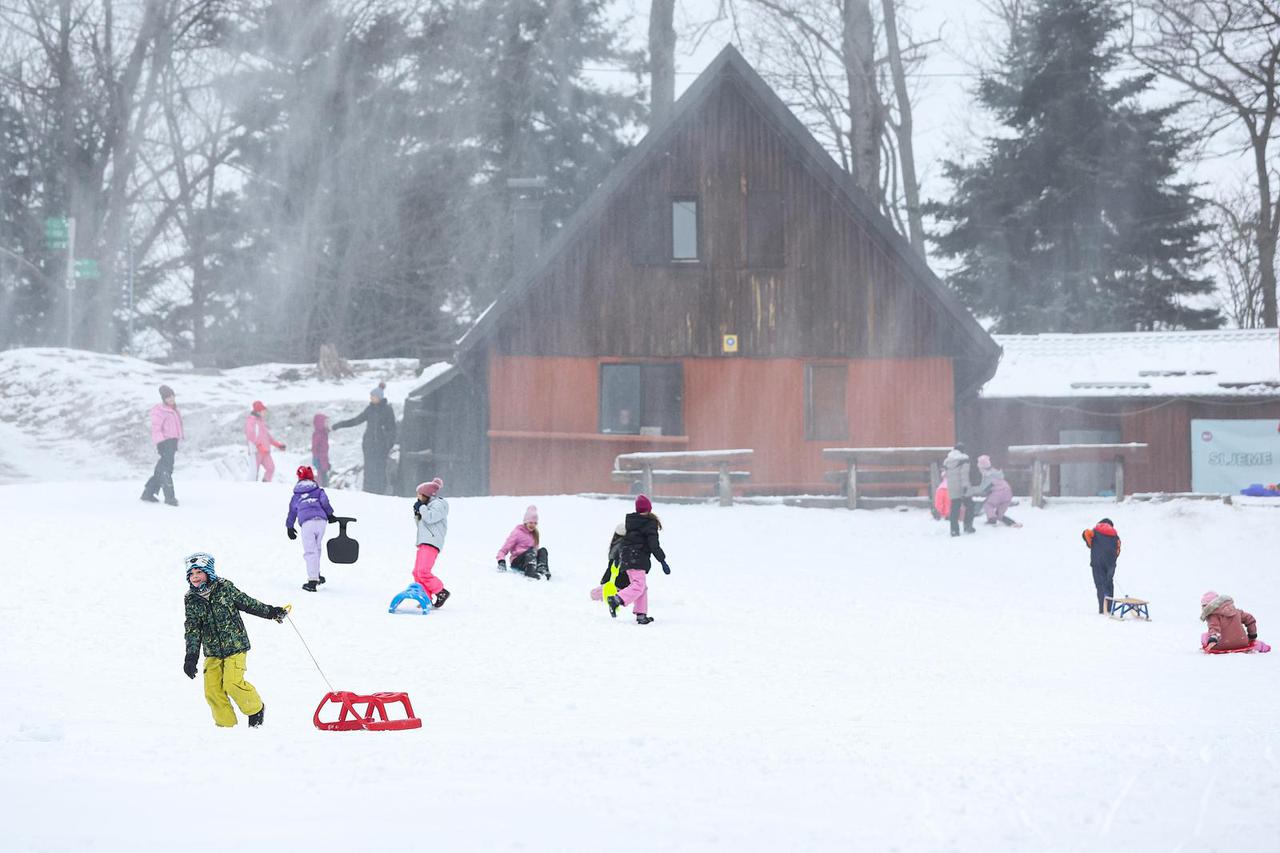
(725, 486)
(1119, 477)
(646, 478)
(935, 478)
(1037, 486)
(852, 482)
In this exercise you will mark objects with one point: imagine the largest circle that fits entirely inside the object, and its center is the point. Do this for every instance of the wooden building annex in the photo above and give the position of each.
(727, 286)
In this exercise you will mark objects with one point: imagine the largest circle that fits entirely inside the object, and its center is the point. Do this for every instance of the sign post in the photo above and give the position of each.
(71, 275)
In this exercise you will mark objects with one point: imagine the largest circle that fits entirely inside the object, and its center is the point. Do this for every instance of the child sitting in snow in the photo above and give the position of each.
(432, 514)
(996, 493)
(639, 541)
(1229, 627)
(309, 506)
(1104, 551)
(522, 546)
(213, 606)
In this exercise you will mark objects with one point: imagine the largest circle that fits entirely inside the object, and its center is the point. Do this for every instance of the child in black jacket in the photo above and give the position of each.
(638, 543)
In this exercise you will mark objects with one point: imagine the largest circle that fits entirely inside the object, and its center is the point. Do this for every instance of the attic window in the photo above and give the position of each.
(1112, 385)
(684, 229)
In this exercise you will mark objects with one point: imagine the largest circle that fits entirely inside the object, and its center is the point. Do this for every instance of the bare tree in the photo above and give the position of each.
(662, 60)
(903, 127)
(1227, 53)
(1235, 245)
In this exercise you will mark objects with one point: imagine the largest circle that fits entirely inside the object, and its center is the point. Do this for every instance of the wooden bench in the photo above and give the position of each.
(1118, 607)
(859, 460)
(1042, 456)
(713, 467)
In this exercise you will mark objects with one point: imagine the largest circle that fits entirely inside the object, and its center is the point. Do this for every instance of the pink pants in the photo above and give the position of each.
(422, 566)
(635, 594)
(265, 463)
(312, 535)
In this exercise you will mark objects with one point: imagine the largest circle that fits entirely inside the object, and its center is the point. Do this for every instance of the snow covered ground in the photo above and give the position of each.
(815, 679)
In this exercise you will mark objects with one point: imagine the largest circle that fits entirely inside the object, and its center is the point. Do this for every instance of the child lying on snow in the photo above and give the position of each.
(1229, 627)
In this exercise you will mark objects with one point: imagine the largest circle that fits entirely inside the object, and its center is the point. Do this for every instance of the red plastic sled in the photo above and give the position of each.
(350, 719)
(1256, 647)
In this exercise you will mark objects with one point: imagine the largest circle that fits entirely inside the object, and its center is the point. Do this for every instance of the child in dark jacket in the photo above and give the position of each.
(638, 543)
(213, 606)
(612, 580)
(1104, 551)
(1229, 627)
(309, 506)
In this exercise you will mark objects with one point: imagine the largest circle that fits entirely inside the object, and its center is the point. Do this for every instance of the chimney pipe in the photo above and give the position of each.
(526, 219)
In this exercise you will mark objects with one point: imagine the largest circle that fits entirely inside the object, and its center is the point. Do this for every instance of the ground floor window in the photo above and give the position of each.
(825, 415)
(642, 399)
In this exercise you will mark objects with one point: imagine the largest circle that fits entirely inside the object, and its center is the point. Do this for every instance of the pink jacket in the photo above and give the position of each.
(166, 422)
(257, 434)
(519, 541)
(1228, 626)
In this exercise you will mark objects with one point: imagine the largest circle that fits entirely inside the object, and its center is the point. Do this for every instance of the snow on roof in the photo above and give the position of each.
(1227, 363)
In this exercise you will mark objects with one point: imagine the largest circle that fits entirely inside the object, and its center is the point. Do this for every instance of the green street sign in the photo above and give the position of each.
(87, 268)
(56, 232)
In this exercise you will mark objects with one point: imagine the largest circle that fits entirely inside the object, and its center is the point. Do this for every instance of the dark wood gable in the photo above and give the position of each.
(834, 281)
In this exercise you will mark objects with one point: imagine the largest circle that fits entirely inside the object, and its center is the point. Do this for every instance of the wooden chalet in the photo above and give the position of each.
(727, 286)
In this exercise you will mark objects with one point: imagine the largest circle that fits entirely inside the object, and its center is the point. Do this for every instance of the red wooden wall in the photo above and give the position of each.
(544, 413)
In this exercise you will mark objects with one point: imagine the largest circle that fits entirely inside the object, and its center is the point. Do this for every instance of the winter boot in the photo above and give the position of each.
(531, 570)
(149, 498)
(310, 586)
(321, 580)
(171, 501)
(614, 603)
(643, 618)
(255, 720)
(543, 568)
(441, 598)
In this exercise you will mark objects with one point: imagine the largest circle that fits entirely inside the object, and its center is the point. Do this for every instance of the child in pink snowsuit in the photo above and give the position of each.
(320, 447)
(639, 542)
(261, 441)
(1229, 627)
(432, 513)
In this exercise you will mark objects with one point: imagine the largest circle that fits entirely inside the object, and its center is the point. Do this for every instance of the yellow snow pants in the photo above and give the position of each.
(224, 681)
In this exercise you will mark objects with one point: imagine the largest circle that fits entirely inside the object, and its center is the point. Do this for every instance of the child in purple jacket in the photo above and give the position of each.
(310, 507)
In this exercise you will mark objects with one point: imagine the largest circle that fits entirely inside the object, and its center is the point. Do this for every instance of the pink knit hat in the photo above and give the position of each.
(531, 514)
(429, 489)
(984, 461)
(1207, 598)
(643, 504)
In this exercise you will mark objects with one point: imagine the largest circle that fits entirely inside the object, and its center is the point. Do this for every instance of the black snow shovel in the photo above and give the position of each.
(342, 548)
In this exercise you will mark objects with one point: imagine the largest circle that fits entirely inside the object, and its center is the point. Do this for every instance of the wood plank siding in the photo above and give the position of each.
(544, 417)
(991, 426)
(840, 291)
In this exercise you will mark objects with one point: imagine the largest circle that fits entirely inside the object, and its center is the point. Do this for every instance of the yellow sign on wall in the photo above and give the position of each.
(730, 343)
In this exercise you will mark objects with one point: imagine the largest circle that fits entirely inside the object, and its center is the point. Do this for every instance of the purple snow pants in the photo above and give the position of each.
(312, 536)
(635, 593)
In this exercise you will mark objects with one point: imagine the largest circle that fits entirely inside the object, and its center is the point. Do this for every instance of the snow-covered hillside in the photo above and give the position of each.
(81, 415)
(816, 679)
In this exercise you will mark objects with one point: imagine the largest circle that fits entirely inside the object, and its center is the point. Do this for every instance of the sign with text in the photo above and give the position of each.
(1227, 456)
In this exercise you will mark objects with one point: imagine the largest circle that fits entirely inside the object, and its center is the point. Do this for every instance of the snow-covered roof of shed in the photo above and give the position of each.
(1227, 363)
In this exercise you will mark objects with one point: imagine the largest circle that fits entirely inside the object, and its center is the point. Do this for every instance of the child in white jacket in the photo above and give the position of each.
(432, 514)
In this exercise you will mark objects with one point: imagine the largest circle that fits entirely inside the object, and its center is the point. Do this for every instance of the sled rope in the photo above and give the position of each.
(313, 657)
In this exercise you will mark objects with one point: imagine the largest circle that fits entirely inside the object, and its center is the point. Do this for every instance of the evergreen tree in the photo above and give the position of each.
(1074, 220)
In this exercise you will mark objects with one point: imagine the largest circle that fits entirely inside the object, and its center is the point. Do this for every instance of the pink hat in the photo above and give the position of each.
(429, 489)
(984, 461)
(531, 514)
(643, 504)
(1207, 598)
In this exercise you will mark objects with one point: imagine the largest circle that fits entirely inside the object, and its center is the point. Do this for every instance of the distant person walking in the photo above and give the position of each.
(260, 441)
(166, 432)
(379, 438)
(320, 447)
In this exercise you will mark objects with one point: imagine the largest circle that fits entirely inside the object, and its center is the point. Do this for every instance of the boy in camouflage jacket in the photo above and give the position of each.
(213, 620)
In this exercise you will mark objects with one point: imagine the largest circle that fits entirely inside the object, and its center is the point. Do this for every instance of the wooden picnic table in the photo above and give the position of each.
(1041, 456)
(887, 457)
(671, 466)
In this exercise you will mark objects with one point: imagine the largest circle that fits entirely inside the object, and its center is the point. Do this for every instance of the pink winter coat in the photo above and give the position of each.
(1228, 627)
(166, 423)
(257, 434)
(320, 440)
(519, 541)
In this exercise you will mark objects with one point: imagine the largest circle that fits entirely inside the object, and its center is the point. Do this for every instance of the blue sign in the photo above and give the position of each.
(1227, 456)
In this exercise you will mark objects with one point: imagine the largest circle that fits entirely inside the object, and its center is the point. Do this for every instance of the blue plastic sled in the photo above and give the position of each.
(413, 592)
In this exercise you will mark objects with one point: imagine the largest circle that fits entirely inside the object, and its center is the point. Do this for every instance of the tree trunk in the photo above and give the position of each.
(1268, 220)
(858, 43)
(662, 60)
(906, 148)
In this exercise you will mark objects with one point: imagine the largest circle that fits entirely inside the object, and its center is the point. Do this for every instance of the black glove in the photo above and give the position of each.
(332, 519)
(502, 565)
(293, 534)
(666, 570)
(277, 613)
(189, 666)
